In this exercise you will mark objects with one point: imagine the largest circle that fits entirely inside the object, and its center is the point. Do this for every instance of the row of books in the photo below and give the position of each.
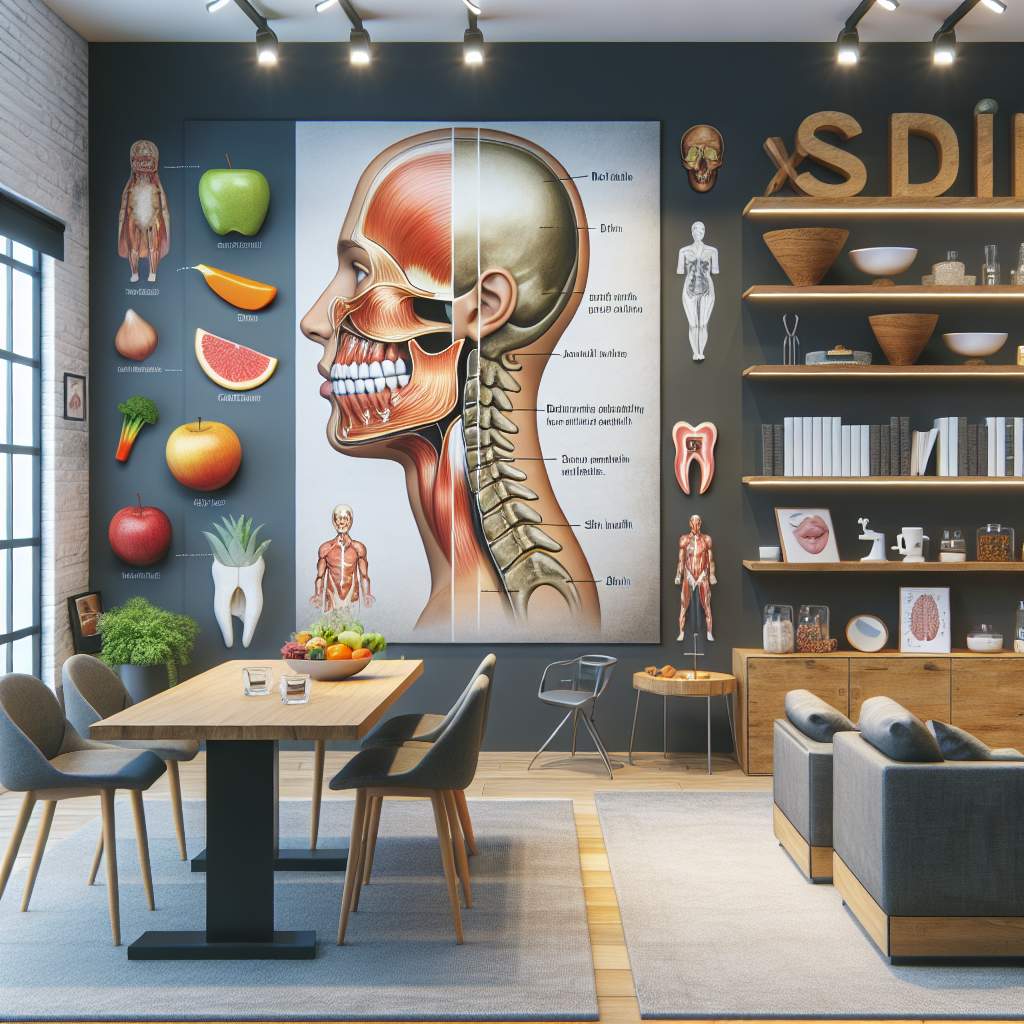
(824, 446)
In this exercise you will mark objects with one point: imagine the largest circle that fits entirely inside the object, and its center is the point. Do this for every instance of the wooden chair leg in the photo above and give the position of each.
(319, 757)
(110, 850)
(354, 849)
(20, 824)
(466, 821)
(174, 783)
(371, 847)
(96, 858)
(458, 847)
(49, 806)
(142, 840)
(364, 843)
(444, 837)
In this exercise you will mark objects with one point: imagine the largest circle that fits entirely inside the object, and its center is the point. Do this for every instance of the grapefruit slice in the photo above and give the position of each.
(240, 292)
(231, 365)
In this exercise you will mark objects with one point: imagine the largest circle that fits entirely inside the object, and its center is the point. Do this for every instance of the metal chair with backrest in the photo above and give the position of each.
(588, 678)
(43, 757)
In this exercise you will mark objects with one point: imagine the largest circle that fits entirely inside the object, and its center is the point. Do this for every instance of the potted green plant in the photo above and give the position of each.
(146, 645)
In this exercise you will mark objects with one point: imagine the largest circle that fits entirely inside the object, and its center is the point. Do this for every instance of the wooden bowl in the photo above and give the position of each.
(903, 336)
(806, 254)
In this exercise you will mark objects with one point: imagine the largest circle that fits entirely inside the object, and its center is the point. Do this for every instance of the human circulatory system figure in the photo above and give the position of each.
(144, 218)
(697, 264)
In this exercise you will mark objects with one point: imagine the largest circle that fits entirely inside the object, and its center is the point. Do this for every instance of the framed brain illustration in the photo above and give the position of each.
(924, 620)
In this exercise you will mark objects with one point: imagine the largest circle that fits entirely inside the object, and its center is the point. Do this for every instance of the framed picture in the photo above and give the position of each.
(924, 620)
(74, 397)
(806, 535)
(84, 610)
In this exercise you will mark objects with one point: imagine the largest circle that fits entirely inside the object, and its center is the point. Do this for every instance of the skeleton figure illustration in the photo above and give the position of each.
(695, 573)
(342, 568)
(697, 263)
(144, 218)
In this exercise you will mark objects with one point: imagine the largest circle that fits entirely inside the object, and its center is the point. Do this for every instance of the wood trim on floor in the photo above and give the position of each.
(861, 904)
(814, 862)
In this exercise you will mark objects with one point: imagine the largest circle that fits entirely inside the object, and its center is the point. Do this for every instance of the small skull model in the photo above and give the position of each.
(702, 150)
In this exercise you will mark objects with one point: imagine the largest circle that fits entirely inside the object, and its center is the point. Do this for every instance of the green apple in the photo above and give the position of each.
(234, 199)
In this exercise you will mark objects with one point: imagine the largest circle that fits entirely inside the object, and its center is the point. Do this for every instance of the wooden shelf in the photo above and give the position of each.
(838, 483)
(882, 567)
(889, 652)
(883, 206)
(951, 371)
(880, 294)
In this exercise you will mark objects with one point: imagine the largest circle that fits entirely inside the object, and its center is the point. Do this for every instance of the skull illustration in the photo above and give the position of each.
(702, 150)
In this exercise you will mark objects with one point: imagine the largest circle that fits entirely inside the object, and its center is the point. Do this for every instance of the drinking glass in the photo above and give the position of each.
(257, 680)
(990, 274)
(295, 689)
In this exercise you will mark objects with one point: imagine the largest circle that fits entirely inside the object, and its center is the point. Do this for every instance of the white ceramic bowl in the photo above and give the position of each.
(883, 260)
(328, 671)
(975, 344)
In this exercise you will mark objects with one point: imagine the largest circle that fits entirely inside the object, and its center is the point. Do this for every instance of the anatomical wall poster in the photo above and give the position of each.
(477, 379)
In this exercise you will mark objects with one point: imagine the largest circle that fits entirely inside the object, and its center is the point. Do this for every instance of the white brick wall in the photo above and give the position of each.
(44, 134)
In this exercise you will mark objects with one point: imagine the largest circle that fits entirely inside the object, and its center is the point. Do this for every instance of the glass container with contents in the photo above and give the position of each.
(995, 543)
(778, 630)
(984, 639)
(812, 635)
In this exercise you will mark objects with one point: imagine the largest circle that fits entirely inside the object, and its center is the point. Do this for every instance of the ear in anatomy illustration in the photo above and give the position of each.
(697, 263)
(694, 445)
(144, 219)
(238, 569)
(702, 150)
(695, 574)
(342, 568)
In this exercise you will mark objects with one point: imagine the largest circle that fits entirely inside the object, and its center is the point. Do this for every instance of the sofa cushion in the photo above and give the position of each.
(814, 717)
(959, 745)
(892, 729)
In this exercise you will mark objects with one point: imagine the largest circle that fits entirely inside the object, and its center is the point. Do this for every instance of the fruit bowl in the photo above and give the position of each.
(328, 671)
(883, 261)
(974, 345)
(806, 254)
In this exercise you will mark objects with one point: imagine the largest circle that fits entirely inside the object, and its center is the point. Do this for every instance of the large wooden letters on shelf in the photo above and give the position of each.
(947, 150)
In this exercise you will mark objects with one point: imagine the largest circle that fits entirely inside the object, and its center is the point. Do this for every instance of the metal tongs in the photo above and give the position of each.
(791, 343)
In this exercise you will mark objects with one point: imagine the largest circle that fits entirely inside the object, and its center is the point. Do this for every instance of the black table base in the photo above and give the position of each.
(196, 946)
(327, 859)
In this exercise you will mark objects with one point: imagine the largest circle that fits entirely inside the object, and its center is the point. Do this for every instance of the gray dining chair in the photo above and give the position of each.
(94, 691)
(583, 681)
(418, 728)
(433, 771)
(42, 756)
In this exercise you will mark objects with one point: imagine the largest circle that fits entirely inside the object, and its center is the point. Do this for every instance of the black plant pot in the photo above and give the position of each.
(143, 681)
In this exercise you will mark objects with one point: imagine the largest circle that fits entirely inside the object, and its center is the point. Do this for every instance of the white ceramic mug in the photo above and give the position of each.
(910, 543)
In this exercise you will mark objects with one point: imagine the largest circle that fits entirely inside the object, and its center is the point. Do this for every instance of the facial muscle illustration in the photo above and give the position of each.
(462, 251)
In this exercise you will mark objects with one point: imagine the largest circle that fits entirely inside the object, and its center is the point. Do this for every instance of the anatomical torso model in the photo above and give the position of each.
(144, 219)
(342, 569)
(697, 265)
(695, 573)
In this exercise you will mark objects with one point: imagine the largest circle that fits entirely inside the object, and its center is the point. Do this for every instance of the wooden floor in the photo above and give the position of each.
(500, 776)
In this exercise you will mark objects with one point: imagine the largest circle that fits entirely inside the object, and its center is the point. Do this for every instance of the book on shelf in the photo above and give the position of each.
(817, 465)
(884, 449)
(767, 449)
(894, 446)
(778, 446)
(924, 442)
(787, 447)
(905, 440)
(983, 466)
(1018, 445)
(972, 449)
(961, 446)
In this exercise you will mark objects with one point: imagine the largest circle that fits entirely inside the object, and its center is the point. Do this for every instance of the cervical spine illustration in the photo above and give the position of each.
(238, 569)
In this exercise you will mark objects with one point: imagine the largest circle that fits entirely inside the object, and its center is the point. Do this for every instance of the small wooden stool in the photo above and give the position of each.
(685, 684)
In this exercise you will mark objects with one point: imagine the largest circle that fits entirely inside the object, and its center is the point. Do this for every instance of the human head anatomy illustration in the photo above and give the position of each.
(461, 261)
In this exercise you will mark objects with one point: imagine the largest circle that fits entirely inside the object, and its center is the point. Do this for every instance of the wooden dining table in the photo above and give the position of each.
(241, 734)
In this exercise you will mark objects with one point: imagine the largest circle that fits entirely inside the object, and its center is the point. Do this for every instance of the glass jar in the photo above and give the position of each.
(812, 635)
(984, 639)
(990, 272)
(778, 629)
(953, 546)
(995, 543)
(1018, 633)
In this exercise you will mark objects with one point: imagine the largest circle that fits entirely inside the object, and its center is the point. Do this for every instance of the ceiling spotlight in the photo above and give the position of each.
(359, 47)
(473, 8)
(323, 5)
(995, 5)
(944, 47)
(473, 43)
(848, 47)
(266, 46)
(213, 6)
(889, 5)
(944, 41)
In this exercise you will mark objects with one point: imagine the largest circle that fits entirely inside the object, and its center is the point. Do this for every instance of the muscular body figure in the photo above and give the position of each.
(342, 570)
(144, 219)
(697, 263)
(695, 572)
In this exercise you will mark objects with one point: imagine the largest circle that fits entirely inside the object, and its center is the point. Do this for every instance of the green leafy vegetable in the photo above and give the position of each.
(137, 412)
(139, 633)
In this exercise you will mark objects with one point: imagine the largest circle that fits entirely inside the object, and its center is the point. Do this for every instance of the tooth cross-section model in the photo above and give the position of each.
(463, 252)
(695, 573)
(697, 265)
(144, 218)
(694, 445)
(238, 569)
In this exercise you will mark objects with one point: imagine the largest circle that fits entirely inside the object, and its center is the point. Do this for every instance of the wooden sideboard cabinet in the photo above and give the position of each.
(983, 694)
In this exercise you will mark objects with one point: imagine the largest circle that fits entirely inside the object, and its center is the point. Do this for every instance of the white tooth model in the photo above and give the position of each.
(697, 263)
(238, 569)
(877, 552)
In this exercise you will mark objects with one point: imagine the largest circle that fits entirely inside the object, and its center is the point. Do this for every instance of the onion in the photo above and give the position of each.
(136, 338)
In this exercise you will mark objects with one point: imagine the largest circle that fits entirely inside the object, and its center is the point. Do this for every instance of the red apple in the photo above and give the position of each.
(204, 455)
(139, 534)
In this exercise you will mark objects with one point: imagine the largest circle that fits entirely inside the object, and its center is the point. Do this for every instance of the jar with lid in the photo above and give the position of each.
(812, 636)
(995, 543)
(953, 546)
(778, 629)
(984, 639)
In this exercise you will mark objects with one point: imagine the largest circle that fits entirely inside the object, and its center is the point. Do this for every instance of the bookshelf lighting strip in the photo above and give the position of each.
(884, 206)
(889, 482)
(885, 293)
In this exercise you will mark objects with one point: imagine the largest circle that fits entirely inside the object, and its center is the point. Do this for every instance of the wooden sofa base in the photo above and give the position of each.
(912, 939)
(814, 862)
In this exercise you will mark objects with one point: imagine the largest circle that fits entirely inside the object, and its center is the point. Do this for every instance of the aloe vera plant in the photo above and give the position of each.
(235, 544)
(238, 569)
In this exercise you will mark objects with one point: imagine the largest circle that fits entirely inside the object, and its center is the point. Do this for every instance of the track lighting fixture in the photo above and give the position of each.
(213, 6)
(944, 40)
(473, 8)
(359, 52)
(848, 40)
(473, 43)
(324, 5)
(266, 37)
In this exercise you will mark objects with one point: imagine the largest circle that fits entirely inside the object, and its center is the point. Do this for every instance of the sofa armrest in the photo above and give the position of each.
(802, 782)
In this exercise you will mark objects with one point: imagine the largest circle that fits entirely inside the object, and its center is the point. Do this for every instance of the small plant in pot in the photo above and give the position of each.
(147, 645)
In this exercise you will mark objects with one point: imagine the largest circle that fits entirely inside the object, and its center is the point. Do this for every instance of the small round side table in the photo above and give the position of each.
(684, 684)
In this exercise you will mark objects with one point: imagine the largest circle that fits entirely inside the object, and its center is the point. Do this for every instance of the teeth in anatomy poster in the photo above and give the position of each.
(478, 378)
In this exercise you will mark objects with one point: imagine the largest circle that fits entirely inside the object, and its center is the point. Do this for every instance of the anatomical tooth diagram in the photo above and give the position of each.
(462, 259)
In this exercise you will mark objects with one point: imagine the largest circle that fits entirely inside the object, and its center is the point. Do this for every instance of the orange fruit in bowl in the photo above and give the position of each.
(361, 652)
(339, 652)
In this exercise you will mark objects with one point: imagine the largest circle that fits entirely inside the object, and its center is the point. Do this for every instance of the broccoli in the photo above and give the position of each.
(137, 412)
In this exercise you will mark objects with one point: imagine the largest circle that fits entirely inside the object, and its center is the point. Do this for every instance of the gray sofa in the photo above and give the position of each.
(929, 854)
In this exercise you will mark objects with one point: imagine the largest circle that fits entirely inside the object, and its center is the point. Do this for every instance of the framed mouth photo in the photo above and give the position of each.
(806, 535)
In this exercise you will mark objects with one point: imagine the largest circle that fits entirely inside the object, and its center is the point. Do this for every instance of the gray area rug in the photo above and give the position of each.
(526, 956)
(720, 923)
